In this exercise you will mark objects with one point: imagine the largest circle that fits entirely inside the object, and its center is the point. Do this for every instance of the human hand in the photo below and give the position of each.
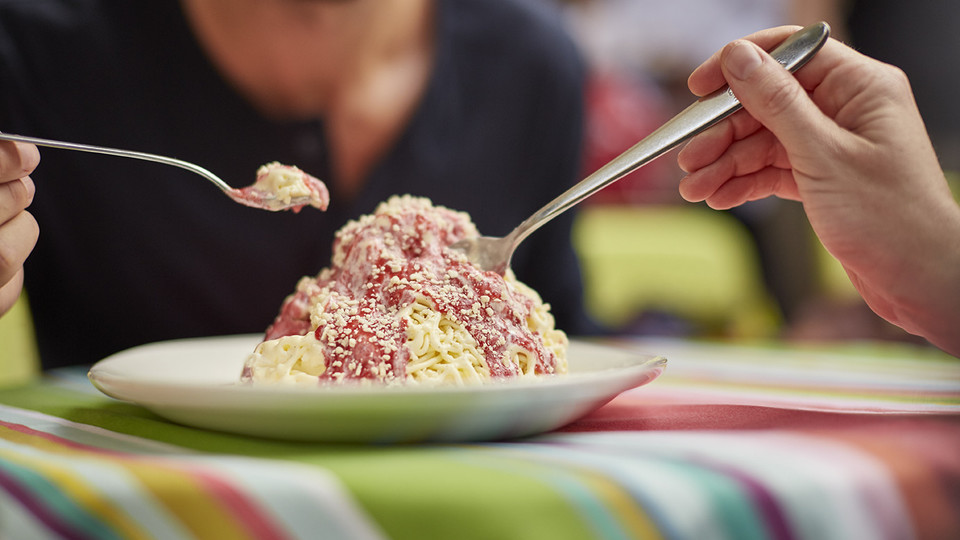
(18, 229)
(843, 136)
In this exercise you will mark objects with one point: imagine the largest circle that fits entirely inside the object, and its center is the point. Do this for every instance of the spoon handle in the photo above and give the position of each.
(705, 112)
(118, 152)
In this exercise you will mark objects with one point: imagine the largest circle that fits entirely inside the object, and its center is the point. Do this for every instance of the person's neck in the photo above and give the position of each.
(295, 58)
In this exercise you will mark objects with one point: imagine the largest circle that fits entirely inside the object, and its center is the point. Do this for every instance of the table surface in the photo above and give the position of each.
(733, 441)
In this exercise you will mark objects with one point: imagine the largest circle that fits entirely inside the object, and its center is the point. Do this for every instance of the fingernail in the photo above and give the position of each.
(742, 60)
(683, 190)
(30, 188)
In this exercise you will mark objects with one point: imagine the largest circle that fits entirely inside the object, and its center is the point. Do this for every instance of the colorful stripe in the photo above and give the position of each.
(74, 490)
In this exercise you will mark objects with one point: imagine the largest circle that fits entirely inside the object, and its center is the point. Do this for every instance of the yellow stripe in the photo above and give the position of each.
(633, 517)
(71, 484)
(186, 497)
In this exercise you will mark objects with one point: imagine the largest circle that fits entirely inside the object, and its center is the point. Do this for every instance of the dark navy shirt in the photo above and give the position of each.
(133, 252)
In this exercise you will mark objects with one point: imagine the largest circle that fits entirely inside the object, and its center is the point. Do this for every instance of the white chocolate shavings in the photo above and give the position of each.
(286, 183)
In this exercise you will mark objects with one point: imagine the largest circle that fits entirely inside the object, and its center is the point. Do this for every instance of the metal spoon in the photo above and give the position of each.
(249, 196)
(494, 253)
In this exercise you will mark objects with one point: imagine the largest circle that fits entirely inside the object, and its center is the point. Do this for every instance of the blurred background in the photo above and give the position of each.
(655, 265)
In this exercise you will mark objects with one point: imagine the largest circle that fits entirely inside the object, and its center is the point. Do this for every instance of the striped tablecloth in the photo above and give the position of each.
(732, 442)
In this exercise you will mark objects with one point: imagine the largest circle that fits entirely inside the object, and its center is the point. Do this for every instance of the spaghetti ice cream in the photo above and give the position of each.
(398, 306)
(283, 187)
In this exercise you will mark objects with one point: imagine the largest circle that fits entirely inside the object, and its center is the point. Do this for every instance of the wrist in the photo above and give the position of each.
(929, 301)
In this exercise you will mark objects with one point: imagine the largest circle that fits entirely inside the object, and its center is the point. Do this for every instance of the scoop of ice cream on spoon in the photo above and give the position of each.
(282, 187)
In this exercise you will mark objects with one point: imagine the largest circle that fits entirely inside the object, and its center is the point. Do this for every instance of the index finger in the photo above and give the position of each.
(17, 160)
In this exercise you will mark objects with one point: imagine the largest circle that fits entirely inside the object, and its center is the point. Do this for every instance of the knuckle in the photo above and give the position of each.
(896, 79)
(884, 80)
(18, 159)
(16, 195)
(781, 95)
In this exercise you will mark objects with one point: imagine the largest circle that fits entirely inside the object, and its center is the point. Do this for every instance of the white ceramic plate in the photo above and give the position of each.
(196, 382)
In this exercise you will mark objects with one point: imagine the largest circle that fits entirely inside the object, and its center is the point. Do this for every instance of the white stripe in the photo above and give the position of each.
(849, 482)
(16, 522)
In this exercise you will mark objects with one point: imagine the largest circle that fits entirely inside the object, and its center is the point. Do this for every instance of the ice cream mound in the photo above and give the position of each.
(398, 306)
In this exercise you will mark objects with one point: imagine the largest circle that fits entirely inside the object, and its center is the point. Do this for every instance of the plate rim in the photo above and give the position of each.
(556, 401)
(100, 372)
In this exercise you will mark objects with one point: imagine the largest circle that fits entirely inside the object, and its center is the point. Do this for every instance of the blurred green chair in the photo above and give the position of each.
(687, 261)
(19, 359)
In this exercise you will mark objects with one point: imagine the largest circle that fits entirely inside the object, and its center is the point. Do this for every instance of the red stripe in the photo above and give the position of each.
(621, 415)
(249, 515)
(20, 428)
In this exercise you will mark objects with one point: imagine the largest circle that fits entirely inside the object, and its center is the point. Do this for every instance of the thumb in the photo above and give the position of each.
(771, 94)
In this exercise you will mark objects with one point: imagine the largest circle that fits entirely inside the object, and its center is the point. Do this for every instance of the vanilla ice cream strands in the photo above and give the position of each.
(398, 306)
(278, 186)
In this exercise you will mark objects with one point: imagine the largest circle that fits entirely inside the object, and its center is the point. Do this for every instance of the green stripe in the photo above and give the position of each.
(602, 521)
(732, 507)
